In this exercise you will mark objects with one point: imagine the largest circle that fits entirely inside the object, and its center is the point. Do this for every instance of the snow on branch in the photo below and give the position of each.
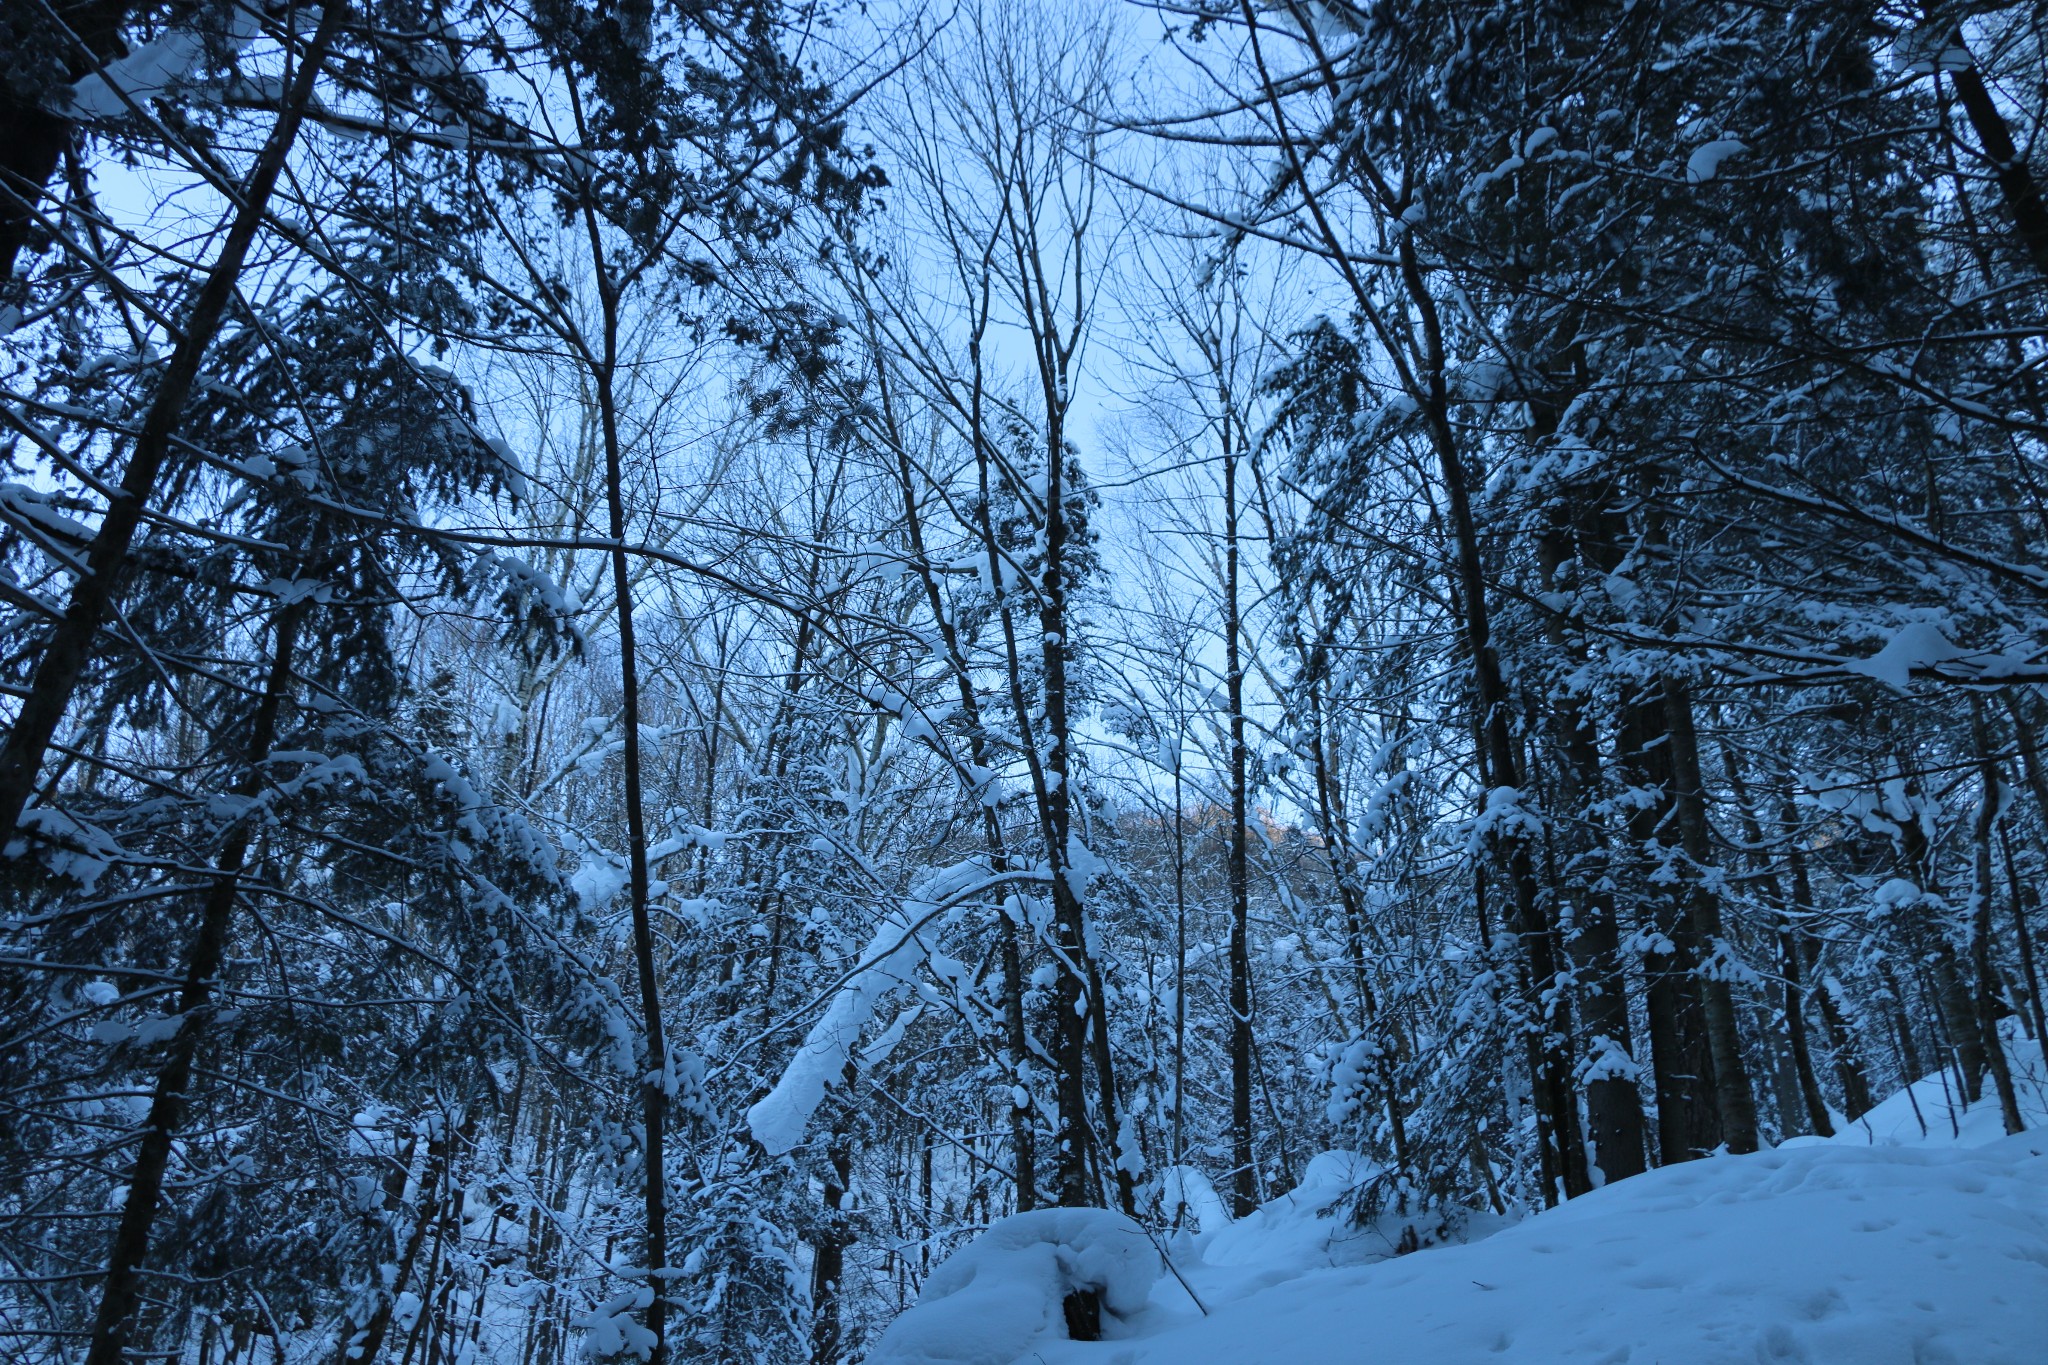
(899, 947)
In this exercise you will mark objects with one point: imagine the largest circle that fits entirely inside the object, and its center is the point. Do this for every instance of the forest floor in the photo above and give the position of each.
(1885, 1244)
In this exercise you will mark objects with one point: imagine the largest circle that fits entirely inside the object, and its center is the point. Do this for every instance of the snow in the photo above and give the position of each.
(1291, 1231)
(1917, 644)
(1897, 1120)
(148, 71)
(1824, 1254)
(884, 967)
(1883, 1246)
(1000, 1297)
(31, 505)
(153, 68)
(598, 882)
(1705, 162)
(1186, 1195)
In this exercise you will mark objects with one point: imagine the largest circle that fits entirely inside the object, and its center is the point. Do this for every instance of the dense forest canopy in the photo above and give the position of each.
(657, 658)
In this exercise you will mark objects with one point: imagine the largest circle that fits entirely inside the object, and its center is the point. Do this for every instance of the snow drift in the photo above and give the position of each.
(1826, 1255)
(1892, 1244)
(1002, 1294)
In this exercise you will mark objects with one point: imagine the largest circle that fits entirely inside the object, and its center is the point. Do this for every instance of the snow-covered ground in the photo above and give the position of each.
(1931, 1114)
(1884, 1245)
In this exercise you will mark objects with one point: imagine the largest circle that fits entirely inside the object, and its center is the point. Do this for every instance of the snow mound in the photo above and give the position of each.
(1822, 1255)
(1295, 1231)
(1185, 1195)
(1930, 1112)
(1001, 1296)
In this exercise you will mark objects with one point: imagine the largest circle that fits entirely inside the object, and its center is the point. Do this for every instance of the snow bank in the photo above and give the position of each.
(1000, 1297)
(1185, 1195)
(1930, 1113)
(1826, 1255)
(1292, 1231)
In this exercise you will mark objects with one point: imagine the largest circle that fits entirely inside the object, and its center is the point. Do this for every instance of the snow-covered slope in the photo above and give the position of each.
(1821, 1254)
(1883, 1246)
(1930, 1113)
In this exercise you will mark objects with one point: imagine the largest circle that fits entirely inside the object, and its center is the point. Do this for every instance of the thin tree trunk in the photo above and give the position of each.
(93, 596)
(655, 1082)
(1733, 1096)
(1180, 966)
(828, 1261)
(1856, 1098)
(1817, 1117)
(1614, 1105)
(1243, 1176)
(1017, 1039)
(2016, 893)
(1386, 1035)
(367, 1343)
(1053, 774)
(1929, 934)
(1980, 923)
(120, 1289)
(2015, 178)
(1791, 997)
(1563, 1155)
(1415, 348)
(33, 140)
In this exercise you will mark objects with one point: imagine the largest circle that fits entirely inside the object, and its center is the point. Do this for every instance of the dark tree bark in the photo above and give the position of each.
(2015, 178)
(1790, 996)
(1017, 1039)
(1930, 933)
(2016, 893)
(1980, 922)
(834, 1236)
(654, 1094)
(1244, 1175)
(1856, 1098)
(365, 1345)
(93, 596)
(1563, 1153)
(120, 1290)
(1415, 348)
(1385, 1033)
(33, 140)
(1614, 1106)
(1681, 1058)
(1734, 1098)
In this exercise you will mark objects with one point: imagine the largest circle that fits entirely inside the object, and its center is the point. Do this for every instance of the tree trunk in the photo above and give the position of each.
(1733, 1097)
(828, 1262)
(366, 1344)
(1681, 1060)
(1856, 1099)
(1800, 1091)
(1017, 1039)
(1817, 1117)
(655, 1081)
(33, 140)
(93, 596)
(2015, 178)
(1562, 1153)
(1929, 933)
(120, 1290)
(1980, 923)
(2017, 894)
(1386, 1035)
(1244, 1173)
(1614, 1105)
